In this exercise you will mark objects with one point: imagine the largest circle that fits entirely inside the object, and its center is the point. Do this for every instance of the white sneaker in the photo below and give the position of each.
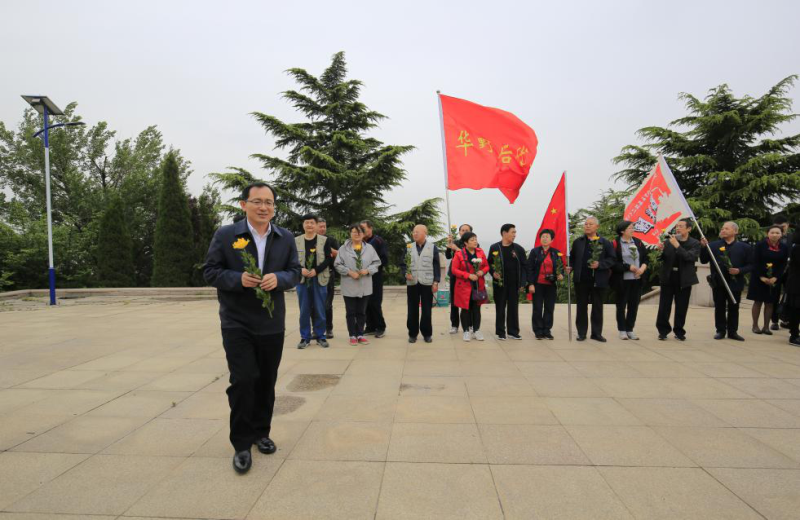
(478, 335)
(453, 330)
(467, 336)
(632, 335)
(623, 335)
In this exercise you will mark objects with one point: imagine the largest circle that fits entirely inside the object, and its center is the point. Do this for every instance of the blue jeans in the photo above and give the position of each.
(304, 296)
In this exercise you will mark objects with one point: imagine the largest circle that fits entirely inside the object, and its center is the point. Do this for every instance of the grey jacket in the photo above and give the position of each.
(346, 262)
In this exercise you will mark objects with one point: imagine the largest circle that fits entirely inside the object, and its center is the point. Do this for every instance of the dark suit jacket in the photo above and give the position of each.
(238, 306)
(521, 258)
(607, 260)
(741, 256)
(684, 257)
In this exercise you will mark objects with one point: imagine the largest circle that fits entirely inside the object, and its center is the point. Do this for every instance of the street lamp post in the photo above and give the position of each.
(46, 108)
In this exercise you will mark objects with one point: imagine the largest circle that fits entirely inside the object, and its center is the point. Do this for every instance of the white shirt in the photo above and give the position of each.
(261, 243)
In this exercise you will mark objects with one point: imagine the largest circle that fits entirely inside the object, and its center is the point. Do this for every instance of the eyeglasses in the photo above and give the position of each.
(260, 203)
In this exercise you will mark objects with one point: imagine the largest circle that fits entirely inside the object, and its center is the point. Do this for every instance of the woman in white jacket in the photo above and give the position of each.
(356, 261)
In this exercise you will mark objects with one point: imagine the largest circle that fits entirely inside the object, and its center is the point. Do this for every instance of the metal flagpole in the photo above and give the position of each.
(51, 267)
(569, 276)
(444, 159)
(668, 171)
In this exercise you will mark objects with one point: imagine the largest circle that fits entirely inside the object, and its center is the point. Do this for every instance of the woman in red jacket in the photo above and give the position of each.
(469, 267)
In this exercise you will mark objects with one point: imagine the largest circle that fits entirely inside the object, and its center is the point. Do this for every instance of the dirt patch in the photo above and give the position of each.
(287, 404)
(312, 382)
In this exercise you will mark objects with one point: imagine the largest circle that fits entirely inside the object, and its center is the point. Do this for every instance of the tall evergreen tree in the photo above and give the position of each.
(114, 246)
(174, 246)
(726, 160)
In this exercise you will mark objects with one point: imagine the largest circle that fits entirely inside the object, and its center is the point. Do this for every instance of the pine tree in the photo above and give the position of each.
(727, 160)
(332, 167)
(174, 248)
(205, 221)
(115, 247)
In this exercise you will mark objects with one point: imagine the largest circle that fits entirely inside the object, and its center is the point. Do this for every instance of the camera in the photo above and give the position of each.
(550, 277)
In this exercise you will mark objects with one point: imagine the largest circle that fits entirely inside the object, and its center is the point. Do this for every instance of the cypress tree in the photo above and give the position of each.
(173, 249)
(115, 247)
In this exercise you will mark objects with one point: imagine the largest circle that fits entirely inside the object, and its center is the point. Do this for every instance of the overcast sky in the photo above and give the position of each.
(584, 75)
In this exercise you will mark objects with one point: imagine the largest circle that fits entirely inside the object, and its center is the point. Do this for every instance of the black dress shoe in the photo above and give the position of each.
(735, 336)
(599, 338)
(266, 446)
(242, 461)
(795, 341)
(775, 326)
(539, 336)
(662, 337)
(329, 335)
(581, 338)
(719, 335)
(412, 340)
(680, 337)
(428, 339)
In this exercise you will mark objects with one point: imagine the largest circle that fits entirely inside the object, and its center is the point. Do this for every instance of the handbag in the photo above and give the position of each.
(476, 294)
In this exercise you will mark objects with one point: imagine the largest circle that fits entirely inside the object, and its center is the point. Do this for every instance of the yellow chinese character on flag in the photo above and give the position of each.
(465, 141)
(485, 143)
(521, 153)
(505, 155)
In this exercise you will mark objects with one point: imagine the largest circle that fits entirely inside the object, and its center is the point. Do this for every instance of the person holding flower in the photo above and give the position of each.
(314, 254)
(679, 253)
(252, 327)
(509, 277)
(769, 262)
(545, 268)
(469, 267)
(357, 262)
(420, 268)
(628, 275)
(591, 258)
(454, 245)
(735, 260)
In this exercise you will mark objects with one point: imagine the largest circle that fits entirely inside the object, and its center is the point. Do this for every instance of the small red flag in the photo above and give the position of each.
(486, 147)
(555, 217)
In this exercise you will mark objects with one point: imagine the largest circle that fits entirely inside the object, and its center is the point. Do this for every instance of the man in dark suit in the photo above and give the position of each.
(735, 260)
(678, 274)
(375, 323)
(591, 258)
(508, 267)
(253, 340)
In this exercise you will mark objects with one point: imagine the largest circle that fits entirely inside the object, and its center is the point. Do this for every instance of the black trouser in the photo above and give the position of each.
(471, 317)
(629, 293)
(253, 362)
(329, 305)
(794, 321)
(584, 292)
(506, 300)
(544, 303)
(356, 309)
(454, 311)
(375, 322)
(681, 297)
(726, 313)
(416, 295)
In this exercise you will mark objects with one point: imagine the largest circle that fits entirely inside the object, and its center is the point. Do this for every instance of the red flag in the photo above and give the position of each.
(657, 205)
(485, 147)
(555, 217)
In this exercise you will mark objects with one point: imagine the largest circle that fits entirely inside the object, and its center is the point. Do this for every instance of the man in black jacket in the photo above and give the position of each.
(591, 258)
(735, 260)
(507, 266)
(375, 323)
(678, 274)
(253, 340)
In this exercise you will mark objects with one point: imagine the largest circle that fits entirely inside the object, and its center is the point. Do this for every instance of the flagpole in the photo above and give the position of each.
(696, 223)
(444, 159)
(569, 275)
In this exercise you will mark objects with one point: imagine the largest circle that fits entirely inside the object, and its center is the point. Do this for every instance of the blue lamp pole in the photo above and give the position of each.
(47, 108)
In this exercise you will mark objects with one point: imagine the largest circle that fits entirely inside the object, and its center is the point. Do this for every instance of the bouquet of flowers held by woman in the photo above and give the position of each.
(634, 251)
(476, 264)
(769, 270)
(251, 267)
(310, 265)
(358, 249)
(497, 266)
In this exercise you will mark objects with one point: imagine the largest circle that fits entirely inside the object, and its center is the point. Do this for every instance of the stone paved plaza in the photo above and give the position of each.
(117, 409)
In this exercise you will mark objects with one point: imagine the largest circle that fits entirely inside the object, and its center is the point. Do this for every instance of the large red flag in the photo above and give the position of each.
(486, 147)
(555, 217)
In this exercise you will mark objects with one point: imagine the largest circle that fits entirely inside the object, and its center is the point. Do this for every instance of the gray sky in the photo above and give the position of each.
(585, 75)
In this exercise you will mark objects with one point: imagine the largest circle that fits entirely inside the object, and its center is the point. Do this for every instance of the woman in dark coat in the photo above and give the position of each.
(545, 265)
(793, 291)
(769, 260)
(627, 277)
